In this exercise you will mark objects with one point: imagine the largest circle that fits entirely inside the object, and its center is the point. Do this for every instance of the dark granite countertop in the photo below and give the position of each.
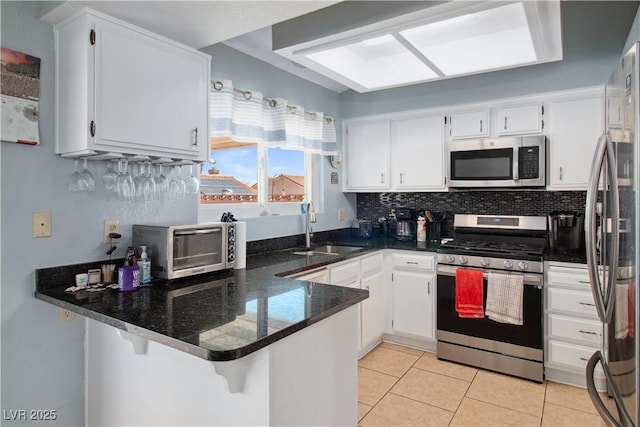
(219, 316)
(229, 314)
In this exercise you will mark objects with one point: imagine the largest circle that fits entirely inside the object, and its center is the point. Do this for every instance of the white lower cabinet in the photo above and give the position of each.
(412, 305)
(373, 308)
(401, 285)
(365, 272)
(573, 331)
(413, 284)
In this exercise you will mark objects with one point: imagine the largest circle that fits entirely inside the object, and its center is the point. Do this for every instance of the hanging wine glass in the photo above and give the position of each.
(191, 183)
(162, 185)
(109, 177)
(74, 182)
(176, 185)
(150, 182)
(87, 182)
(125, 187)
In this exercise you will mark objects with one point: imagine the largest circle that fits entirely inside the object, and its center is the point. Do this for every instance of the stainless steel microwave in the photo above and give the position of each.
(185, 250)
(499, 162)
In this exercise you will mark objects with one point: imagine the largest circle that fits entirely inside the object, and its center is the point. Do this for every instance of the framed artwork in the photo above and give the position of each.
(20, 95)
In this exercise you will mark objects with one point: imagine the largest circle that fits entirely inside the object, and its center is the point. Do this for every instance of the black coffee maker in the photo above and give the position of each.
(566, 230)
(406, 224)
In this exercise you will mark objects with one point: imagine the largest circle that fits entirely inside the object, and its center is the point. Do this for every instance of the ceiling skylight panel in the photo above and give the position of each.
(374, 63)
(486, 40)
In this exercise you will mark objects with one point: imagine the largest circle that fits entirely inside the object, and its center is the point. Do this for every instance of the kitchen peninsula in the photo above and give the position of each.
(240, 347)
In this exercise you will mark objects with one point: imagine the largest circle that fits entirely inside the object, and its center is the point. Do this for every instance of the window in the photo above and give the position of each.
(233, 178)
(266, 154)
(255, 179)
(286, 175)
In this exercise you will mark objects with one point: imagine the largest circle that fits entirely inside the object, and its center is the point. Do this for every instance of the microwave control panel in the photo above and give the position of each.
(528, 162)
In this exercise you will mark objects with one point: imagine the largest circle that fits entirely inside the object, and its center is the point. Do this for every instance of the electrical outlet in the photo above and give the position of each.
(341, 214)
(111, 226)
(42, 224)
(65, 315)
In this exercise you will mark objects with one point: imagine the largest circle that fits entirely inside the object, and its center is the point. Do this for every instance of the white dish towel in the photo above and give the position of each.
(504, 298)
(622, 311)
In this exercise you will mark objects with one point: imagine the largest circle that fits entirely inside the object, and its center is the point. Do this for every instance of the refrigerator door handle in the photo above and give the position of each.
(614, 232)
(609, 419)
(603, 159)
(590, 227)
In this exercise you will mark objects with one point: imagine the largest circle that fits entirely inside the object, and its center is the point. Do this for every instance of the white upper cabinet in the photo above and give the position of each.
(469, 124)
(121, 89)
(519, 119)
(575, 124)
(366, 152)
(417, 153)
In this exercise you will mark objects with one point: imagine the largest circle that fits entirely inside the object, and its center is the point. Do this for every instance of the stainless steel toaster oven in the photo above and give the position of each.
(185, 250)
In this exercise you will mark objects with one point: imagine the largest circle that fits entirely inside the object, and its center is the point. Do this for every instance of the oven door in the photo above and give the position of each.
(198, 250)
(485, 332)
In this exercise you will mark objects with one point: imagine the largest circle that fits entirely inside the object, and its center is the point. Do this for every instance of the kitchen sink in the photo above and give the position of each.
(328, 250)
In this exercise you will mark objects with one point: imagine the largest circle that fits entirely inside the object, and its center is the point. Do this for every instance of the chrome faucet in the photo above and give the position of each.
(311, 217)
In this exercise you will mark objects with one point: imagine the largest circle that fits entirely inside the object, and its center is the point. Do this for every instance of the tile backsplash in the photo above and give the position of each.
(532, 202)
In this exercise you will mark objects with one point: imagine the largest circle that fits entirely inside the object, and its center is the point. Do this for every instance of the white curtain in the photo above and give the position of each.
(246, 116)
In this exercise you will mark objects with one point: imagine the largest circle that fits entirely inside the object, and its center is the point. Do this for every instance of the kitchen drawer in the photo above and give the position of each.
(575, 278)
(572, 302)
(371, 264)
(575, 356)
(420, 262)
(587, 331)
(345, 273)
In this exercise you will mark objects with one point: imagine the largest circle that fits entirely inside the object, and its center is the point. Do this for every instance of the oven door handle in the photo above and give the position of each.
(197, 231)
(528, 279)
(516, 167)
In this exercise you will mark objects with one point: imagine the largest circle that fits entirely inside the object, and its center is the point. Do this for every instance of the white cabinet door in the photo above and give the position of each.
(520, 119)
(149, 94)
(469, 124)
(125, 90)
(373, 309)
(574, 128)
(417, 153)
(367, 155)
(412, 305)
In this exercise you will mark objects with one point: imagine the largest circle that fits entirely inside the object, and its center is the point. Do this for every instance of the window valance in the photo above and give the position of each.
(244, 116)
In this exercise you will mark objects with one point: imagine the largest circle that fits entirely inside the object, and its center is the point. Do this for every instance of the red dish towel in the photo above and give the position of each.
(469, 293)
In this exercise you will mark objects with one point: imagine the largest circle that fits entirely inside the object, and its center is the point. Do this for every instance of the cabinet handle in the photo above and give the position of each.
(412, 262)
(560, 173)
(584, 281)
(480, 125)
(505, 122)
(584, 359)
(382, 178)
(92, 128)
(587, 332)
(92, 37)
(401, 177)
(428, 288)
(195, 142)
(587, 303)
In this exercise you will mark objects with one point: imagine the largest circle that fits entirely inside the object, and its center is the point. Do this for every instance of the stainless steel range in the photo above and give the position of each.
(494, 244)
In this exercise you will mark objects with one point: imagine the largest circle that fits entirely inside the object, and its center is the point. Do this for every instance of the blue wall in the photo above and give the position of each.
(43, 359)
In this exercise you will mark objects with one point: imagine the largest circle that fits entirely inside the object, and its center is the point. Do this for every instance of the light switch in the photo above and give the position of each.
(42, 224)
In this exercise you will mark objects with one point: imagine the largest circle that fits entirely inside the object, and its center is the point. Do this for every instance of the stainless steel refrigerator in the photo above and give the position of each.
(611, 234)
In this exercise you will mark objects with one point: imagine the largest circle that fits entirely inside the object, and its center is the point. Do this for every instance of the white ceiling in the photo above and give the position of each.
(246, 25)
(195, 23)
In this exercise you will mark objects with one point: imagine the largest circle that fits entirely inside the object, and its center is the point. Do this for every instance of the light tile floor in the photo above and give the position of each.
(401, 386)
